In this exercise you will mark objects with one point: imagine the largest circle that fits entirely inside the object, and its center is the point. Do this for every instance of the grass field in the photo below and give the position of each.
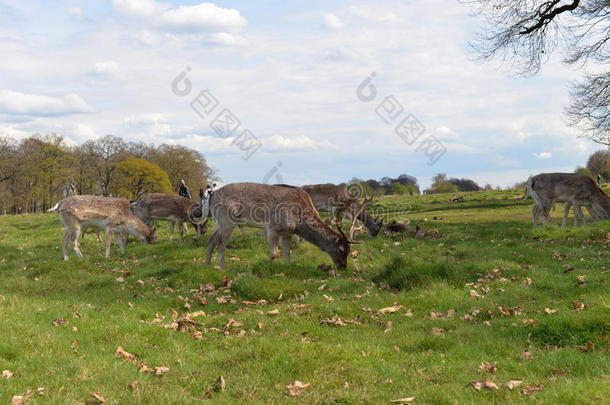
(483, 286)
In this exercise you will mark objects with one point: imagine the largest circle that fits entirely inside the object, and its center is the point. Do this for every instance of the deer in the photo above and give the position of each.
(111, 214)
(574, 190)
(168, 207)
(340, 203)
(281, 211)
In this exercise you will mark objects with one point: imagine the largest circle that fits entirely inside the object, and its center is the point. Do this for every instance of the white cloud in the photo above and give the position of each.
(139, 8)
(225, 38)
(374, 13)
(280, 143)
(13, 102)
(203, 17)
(107, 69)
(148, 124)
(332, 21)
(543, 155)
(75, 11)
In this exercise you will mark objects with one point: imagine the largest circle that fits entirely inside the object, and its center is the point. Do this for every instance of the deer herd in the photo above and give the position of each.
(283, 211)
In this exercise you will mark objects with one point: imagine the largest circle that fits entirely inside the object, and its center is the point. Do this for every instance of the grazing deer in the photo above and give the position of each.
(282, 211)
(338, 201)
(168, 207)
(110, 214)
(572, 189)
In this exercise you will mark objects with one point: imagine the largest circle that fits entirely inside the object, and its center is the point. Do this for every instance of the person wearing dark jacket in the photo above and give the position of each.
(184, 190)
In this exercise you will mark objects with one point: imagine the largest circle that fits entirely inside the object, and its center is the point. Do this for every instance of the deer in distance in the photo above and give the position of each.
(282, 211)
(342, 204)
(169, 207)
(574, 190)
(113, 215)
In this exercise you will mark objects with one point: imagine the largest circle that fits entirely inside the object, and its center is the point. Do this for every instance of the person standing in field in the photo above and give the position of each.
(184, 190)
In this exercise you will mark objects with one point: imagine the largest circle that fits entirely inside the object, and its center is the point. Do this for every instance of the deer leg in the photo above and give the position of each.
(120, 240)
(64, 243)
(75, 237)
(566, 213)
(273, 239)
(286, 248)
(225, 234)
(108, 242)
(579, 216)
(212, 242)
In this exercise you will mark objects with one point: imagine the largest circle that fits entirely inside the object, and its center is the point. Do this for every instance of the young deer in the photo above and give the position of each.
(338, 201)
(168, 207)
(110, 214)
(282, 211)
(572, 189)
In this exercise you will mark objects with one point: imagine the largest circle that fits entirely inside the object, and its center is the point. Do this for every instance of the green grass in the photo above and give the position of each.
(485, 244)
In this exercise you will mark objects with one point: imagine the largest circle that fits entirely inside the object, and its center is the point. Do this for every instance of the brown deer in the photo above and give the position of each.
(572, 189)
(282, 211)
(169, 207)
(110, 214)
(340, 203)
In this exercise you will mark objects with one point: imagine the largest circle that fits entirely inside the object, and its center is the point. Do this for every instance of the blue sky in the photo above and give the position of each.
(289, 72)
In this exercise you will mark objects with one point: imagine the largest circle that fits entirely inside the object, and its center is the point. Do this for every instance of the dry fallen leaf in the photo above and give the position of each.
(526, 355)
(273, 312)
(488, 367)
(558, 371)
(549, 311)
(6, 374)
(438, 331)
(588, 348)
(403, 401)
(99, 397)
(578, 305)
(161, 370)
(221, 384)
(530, 389)
(390, 310)
(296, 388)
(485, 384)
(134, 385)
(512, 384)
(474, 294)
(124, 354)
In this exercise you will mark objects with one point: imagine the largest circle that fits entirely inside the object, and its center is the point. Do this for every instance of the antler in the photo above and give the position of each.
(353, 227)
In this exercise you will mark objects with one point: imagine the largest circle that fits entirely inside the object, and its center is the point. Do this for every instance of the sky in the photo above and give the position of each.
(295, 92)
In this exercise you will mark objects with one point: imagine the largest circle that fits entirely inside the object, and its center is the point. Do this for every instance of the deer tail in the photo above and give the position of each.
(53, 208)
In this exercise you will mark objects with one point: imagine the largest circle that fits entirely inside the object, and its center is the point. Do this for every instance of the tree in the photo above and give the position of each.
(441, 184)
(182, 163)
(585, 171)
(105, 153)
(526, 32)
(465, 184)
(599, 162)
(8, 154)
(136, 177)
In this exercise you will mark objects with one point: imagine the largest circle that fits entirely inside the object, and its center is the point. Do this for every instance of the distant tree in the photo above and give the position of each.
(8, 156)
(136, 177)
(465, 184)
(105, 153)
(182, 163)
(599, 162)
(526, 32)
(441, 184)
(586, 172)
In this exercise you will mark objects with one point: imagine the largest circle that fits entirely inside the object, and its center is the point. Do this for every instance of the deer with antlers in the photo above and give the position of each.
(282, 211)
(342, 204)
(113, 215)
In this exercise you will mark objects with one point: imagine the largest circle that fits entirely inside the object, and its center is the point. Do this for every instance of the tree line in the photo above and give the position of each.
(37, 171)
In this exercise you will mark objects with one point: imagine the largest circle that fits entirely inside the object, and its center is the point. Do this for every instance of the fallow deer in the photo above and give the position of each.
(110, 214)
(282, 211)
(168, 207)
(340, 203)
(572, 189)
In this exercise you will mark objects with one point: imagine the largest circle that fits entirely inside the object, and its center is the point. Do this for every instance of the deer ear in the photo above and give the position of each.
(200, 193)
(380, 222)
